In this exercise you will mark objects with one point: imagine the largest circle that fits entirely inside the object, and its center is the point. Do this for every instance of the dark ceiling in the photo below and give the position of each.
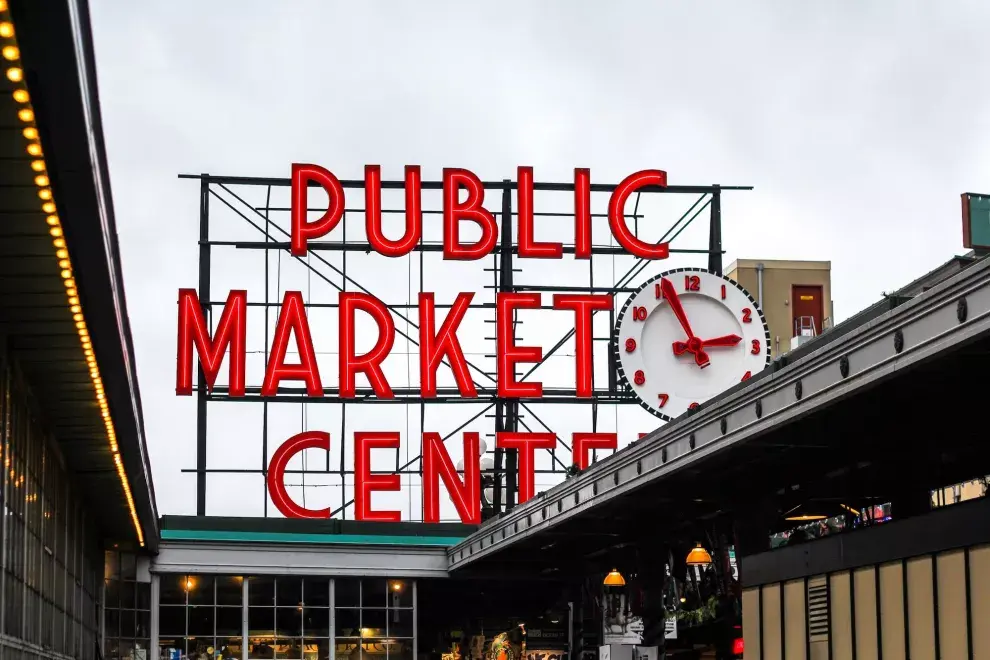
(35, 319)
(922, 428)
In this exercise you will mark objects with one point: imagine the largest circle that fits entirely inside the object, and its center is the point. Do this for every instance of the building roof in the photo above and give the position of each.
(48, 337)
(779, 264)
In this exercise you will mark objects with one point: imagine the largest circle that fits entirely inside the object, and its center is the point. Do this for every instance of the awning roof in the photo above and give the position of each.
(892, 398)
(56, 56)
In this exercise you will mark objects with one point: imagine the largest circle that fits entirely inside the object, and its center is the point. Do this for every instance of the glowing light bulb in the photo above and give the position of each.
(25, 115)
(6, 30)
(15, 74)
(38, 165)
(11, 53)
(21, 96)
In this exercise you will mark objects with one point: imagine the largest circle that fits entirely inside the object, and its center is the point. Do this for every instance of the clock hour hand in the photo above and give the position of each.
(725, 340)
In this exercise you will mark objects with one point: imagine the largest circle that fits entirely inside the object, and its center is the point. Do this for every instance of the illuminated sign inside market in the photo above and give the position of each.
(463, 202)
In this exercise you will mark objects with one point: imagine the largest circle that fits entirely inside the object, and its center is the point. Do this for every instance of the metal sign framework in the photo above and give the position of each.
(509, 414)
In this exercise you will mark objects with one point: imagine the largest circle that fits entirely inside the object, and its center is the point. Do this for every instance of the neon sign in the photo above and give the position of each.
(463, 202)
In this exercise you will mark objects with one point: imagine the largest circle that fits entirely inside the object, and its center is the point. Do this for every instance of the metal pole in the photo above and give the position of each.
(156, 591)
(715, 233)
(245, 627)
(204, 295)
(510, 408)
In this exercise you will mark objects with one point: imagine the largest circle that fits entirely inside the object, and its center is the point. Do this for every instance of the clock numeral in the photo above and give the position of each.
(756, 347)
(693, 405)
(639, 378)
(663, 399)
(639, 313)
(657, 291)
(723, 292)
(692, 283)
(630, 345)
(747, 315)
(746, 376)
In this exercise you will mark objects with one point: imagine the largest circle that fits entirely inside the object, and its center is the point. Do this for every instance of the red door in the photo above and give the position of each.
(807, 308)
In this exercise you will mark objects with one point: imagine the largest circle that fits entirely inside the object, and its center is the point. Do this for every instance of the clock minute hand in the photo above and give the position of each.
(670, 294)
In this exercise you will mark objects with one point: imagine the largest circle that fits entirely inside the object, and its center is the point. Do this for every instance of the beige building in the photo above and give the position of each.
(795, 296)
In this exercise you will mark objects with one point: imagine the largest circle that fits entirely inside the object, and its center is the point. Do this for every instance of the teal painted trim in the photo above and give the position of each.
(277, 537)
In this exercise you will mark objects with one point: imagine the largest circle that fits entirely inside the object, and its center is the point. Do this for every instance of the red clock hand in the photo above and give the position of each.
(727, 340)
(675, 305)
(693, 344)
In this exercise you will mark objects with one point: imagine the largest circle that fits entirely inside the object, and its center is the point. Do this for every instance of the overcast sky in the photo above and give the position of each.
(858, 123)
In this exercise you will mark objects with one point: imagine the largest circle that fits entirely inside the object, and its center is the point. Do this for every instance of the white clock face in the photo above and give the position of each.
(686, 336)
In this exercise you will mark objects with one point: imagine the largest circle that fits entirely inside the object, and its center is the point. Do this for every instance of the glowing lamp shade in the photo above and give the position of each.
(698, 557)
(614, 579)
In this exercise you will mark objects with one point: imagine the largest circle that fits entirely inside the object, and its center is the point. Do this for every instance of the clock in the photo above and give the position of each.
(687, 335)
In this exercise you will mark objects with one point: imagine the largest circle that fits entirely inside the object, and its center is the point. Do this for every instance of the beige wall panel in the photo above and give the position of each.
(952, 605)
(795, 620)
(771, 622)
(979, 590)
(839, 588)
(892, 611)
(751, 623)
(921, 608)
(865, 593)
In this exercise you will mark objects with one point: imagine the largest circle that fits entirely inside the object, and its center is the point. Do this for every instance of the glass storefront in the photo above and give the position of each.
(205, 617)
(51, 555)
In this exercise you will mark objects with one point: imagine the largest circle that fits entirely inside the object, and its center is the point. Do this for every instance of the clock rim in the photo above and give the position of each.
(624, 381)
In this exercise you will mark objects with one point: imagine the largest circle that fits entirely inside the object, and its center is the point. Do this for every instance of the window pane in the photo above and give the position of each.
(172, 621)
(126, 591)
(373, 622)
(261, 591)
(198, 647)
(229, 648)
(400, 623)
(400, 593)
(200, 590)
(143, 625)
(347, 592)
(112, 623)
(316, 622)
(261, 622)
(111, 594)
(347, 623)
(128, 566)
(230, 590)
(173, 590)
(260, 647)
(317, 592)
(143, 596)
(316, 648)
(127, 623)
(373, 592)
(288, 591)
(289, 649)
(201, 621)
(171, 648)
(111, 564)
(228, 622)
(288, 622)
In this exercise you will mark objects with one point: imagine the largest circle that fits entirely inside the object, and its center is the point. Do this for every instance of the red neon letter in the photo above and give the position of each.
(617, 220)
(433, 347)
(302, 230)
(527, 444)
(508, 353)
(365, 482)
(582, 442)
(373, 212)
(471, 209)
(292, 320)
(582, 213)
(371, 362)
(231, 331)
(276, 473)
(527, 246)
(583, 305)
(437, 465)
